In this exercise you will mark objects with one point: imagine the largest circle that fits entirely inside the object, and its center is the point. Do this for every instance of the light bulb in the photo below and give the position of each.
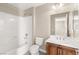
(61, 4)
(54, 7)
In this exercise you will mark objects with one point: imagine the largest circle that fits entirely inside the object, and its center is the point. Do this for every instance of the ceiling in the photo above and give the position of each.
(24, 6)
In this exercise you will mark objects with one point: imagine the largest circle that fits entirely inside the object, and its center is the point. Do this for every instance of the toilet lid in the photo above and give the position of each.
(34, 48)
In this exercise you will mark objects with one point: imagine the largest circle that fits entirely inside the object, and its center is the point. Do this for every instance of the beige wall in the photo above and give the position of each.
(8, 32)
(28, 12)
(7, 8)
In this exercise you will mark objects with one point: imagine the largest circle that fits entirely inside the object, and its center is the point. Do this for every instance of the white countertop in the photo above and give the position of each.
(65, 42)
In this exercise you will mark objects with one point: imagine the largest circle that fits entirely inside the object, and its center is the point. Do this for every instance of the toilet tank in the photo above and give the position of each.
(39, 41)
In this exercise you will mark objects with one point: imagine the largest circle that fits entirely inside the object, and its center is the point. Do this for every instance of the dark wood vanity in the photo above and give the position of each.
(55, 49)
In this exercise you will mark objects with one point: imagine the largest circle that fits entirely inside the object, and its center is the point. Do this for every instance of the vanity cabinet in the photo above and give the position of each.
(51, 49)
(54, 49)
(68, 51)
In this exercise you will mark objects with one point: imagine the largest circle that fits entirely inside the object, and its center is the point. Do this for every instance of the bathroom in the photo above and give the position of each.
(24, 26)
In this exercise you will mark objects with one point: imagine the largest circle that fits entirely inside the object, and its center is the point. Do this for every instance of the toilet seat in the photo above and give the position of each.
(34, 49)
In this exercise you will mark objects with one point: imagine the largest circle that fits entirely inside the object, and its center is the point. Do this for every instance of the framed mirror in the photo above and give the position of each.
(76, 24)
(60, 24)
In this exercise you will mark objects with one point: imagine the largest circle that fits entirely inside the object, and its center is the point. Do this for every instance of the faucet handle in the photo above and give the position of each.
(26, 34)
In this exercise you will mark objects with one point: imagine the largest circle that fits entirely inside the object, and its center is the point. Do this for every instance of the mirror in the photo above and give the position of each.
(59, 24)
(66, 23)
(76, 24)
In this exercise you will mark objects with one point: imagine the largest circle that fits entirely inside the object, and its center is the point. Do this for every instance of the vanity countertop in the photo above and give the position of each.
(65, 42)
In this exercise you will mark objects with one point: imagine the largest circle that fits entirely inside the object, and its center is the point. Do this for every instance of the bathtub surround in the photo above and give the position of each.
(8, 29)
(8, 32)
(31, 12)
(13, 28)
(25, 33)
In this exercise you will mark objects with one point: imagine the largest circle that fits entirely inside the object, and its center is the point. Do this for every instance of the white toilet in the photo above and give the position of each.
(34, 50)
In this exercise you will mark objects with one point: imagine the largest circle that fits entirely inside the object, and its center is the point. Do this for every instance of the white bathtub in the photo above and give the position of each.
(18, 51)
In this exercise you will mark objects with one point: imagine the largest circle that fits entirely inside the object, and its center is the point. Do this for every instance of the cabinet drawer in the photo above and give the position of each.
(68, 51)
(59, 51)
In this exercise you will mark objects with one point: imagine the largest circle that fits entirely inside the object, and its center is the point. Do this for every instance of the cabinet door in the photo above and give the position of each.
(60, 51)
(69, 51)
(51, 49)
(48, 48)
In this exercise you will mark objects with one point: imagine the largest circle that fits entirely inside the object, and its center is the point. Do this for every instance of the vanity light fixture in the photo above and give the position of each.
(57, 6)
(53, 7)
(61, 5)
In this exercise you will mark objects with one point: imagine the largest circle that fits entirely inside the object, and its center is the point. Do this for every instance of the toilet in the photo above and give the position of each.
(34, 49)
